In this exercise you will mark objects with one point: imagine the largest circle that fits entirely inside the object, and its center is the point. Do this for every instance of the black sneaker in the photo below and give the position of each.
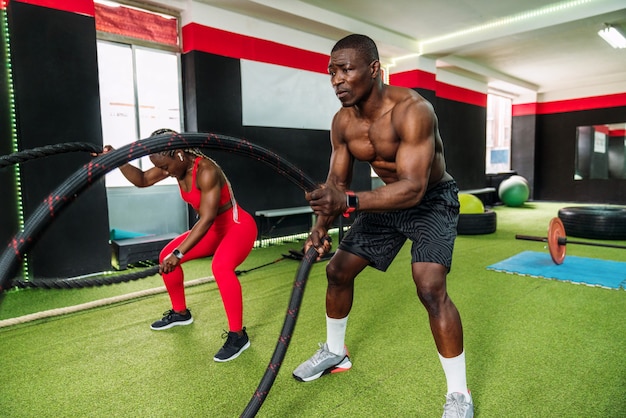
(233, 346)
(172, 318)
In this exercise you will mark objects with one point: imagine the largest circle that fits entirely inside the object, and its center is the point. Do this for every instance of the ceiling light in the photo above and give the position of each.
(613, 36)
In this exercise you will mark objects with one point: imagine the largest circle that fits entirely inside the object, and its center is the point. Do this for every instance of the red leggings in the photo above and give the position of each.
(229, 243)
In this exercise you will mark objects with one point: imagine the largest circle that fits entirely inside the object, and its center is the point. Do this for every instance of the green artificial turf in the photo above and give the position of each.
(534, 347)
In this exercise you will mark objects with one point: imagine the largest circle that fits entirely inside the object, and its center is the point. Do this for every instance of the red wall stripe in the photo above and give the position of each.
(602, 129)
(573, 105)
(524, 109)
(198, 37)
(617, 133)
(426, 80)
(84, 7)
(215, 41)
(414, 79)
(586, 103)
(459, 94)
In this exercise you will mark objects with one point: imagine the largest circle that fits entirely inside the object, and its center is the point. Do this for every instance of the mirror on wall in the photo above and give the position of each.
(600, 152)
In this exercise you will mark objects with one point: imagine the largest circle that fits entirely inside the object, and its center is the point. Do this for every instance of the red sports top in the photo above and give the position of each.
(193, 196)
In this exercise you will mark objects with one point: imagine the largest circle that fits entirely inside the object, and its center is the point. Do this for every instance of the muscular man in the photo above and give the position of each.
(395, 130)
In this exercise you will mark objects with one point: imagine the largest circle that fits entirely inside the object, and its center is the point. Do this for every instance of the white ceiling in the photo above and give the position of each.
(556, 49)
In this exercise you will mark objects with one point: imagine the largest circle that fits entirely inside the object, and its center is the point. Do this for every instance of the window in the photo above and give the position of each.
(498, 143)
(139, 71)
(139, 93)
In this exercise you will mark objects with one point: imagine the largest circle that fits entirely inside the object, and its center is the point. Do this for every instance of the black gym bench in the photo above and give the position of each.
(133, 250)
(270, 220)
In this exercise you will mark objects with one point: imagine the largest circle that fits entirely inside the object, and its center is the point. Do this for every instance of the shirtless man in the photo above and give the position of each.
(395, 130)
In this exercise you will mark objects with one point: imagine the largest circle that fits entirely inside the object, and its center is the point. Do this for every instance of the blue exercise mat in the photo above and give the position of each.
(119, 234)
(578, 270)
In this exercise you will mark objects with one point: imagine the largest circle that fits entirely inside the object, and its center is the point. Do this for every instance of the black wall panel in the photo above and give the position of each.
(57, 101)
(212, 93)
(555, 162)
(590, 164)
(463, 130)
(523, 148)
(428, 95)
(213, 104)
(583, 151)
(617, 157)
(8, 202)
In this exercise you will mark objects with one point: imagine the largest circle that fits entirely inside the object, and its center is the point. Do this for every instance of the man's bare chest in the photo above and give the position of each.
(372, 141)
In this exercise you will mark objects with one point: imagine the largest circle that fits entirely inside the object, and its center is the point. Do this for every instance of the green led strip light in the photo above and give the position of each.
(11, 99)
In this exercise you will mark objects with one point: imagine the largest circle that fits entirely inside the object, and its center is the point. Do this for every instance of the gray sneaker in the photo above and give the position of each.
(323, 362)
(458, 407)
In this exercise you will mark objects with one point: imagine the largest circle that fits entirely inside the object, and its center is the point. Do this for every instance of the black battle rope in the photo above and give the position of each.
(83, 282)
(271, 372)
(240, 272)
(31, 154)
(92, 171)
(86, 176)
(65, 283)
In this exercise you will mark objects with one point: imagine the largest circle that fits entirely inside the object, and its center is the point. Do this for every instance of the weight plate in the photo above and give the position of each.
(556, 230)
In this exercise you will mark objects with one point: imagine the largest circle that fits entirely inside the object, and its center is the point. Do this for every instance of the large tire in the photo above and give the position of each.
(594, 222)
(477, 223)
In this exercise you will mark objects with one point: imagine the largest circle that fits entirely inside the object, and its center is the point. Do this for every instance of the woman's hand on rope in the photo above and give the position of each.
(169, 264)
(105, 149)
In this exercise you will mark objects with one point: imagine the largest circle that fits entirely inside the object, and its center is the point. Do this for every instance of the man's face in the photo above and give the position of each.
(350, 75)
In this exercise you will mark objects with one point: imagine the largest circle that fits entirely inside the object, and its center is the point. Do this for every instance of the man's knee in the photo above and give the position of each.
(431, 295)
(431, 288)
(336, 276)
(343, 268)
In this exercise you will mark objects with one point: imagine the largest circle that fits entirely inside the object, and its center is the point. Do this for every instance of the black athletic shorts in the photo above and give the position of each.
(430, 225)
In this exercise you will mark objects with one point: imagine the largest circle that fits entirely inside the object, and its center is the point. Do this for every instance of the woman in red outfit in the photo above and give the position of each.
(223, 230)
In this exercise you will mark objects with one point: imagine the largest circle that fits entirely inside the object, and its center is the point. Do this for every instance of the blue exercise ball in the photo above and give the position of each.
(514, 191)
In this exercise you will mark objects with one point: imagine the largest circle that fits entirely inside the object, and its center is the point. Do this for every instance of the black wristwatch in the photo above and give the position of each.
(178, 254)
(352, 203)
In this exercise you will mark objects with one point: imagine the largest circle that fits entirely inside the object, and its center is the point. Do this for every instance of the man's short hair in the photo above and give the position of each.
(364, 45)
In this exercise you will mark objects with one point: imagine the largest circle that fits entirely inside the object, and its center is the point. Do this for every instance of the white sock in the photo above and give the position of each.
(336, 334)
(454, 369)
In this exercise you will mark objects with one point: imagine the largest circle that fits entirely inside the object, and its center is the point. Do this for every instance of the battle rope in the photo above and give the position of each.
(240, 272)
(26, 155)
(51, 313)
(289, 324)
(86, 176)
(83, 282)
(65, 283)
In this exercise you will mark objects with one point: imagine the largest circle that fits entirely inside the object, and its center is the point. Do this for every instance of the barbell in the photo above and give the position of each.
(557, 240)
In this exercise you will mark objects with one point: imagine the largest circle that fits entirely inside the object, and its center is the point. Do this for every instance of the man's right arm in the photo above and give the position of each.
(329, 200)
